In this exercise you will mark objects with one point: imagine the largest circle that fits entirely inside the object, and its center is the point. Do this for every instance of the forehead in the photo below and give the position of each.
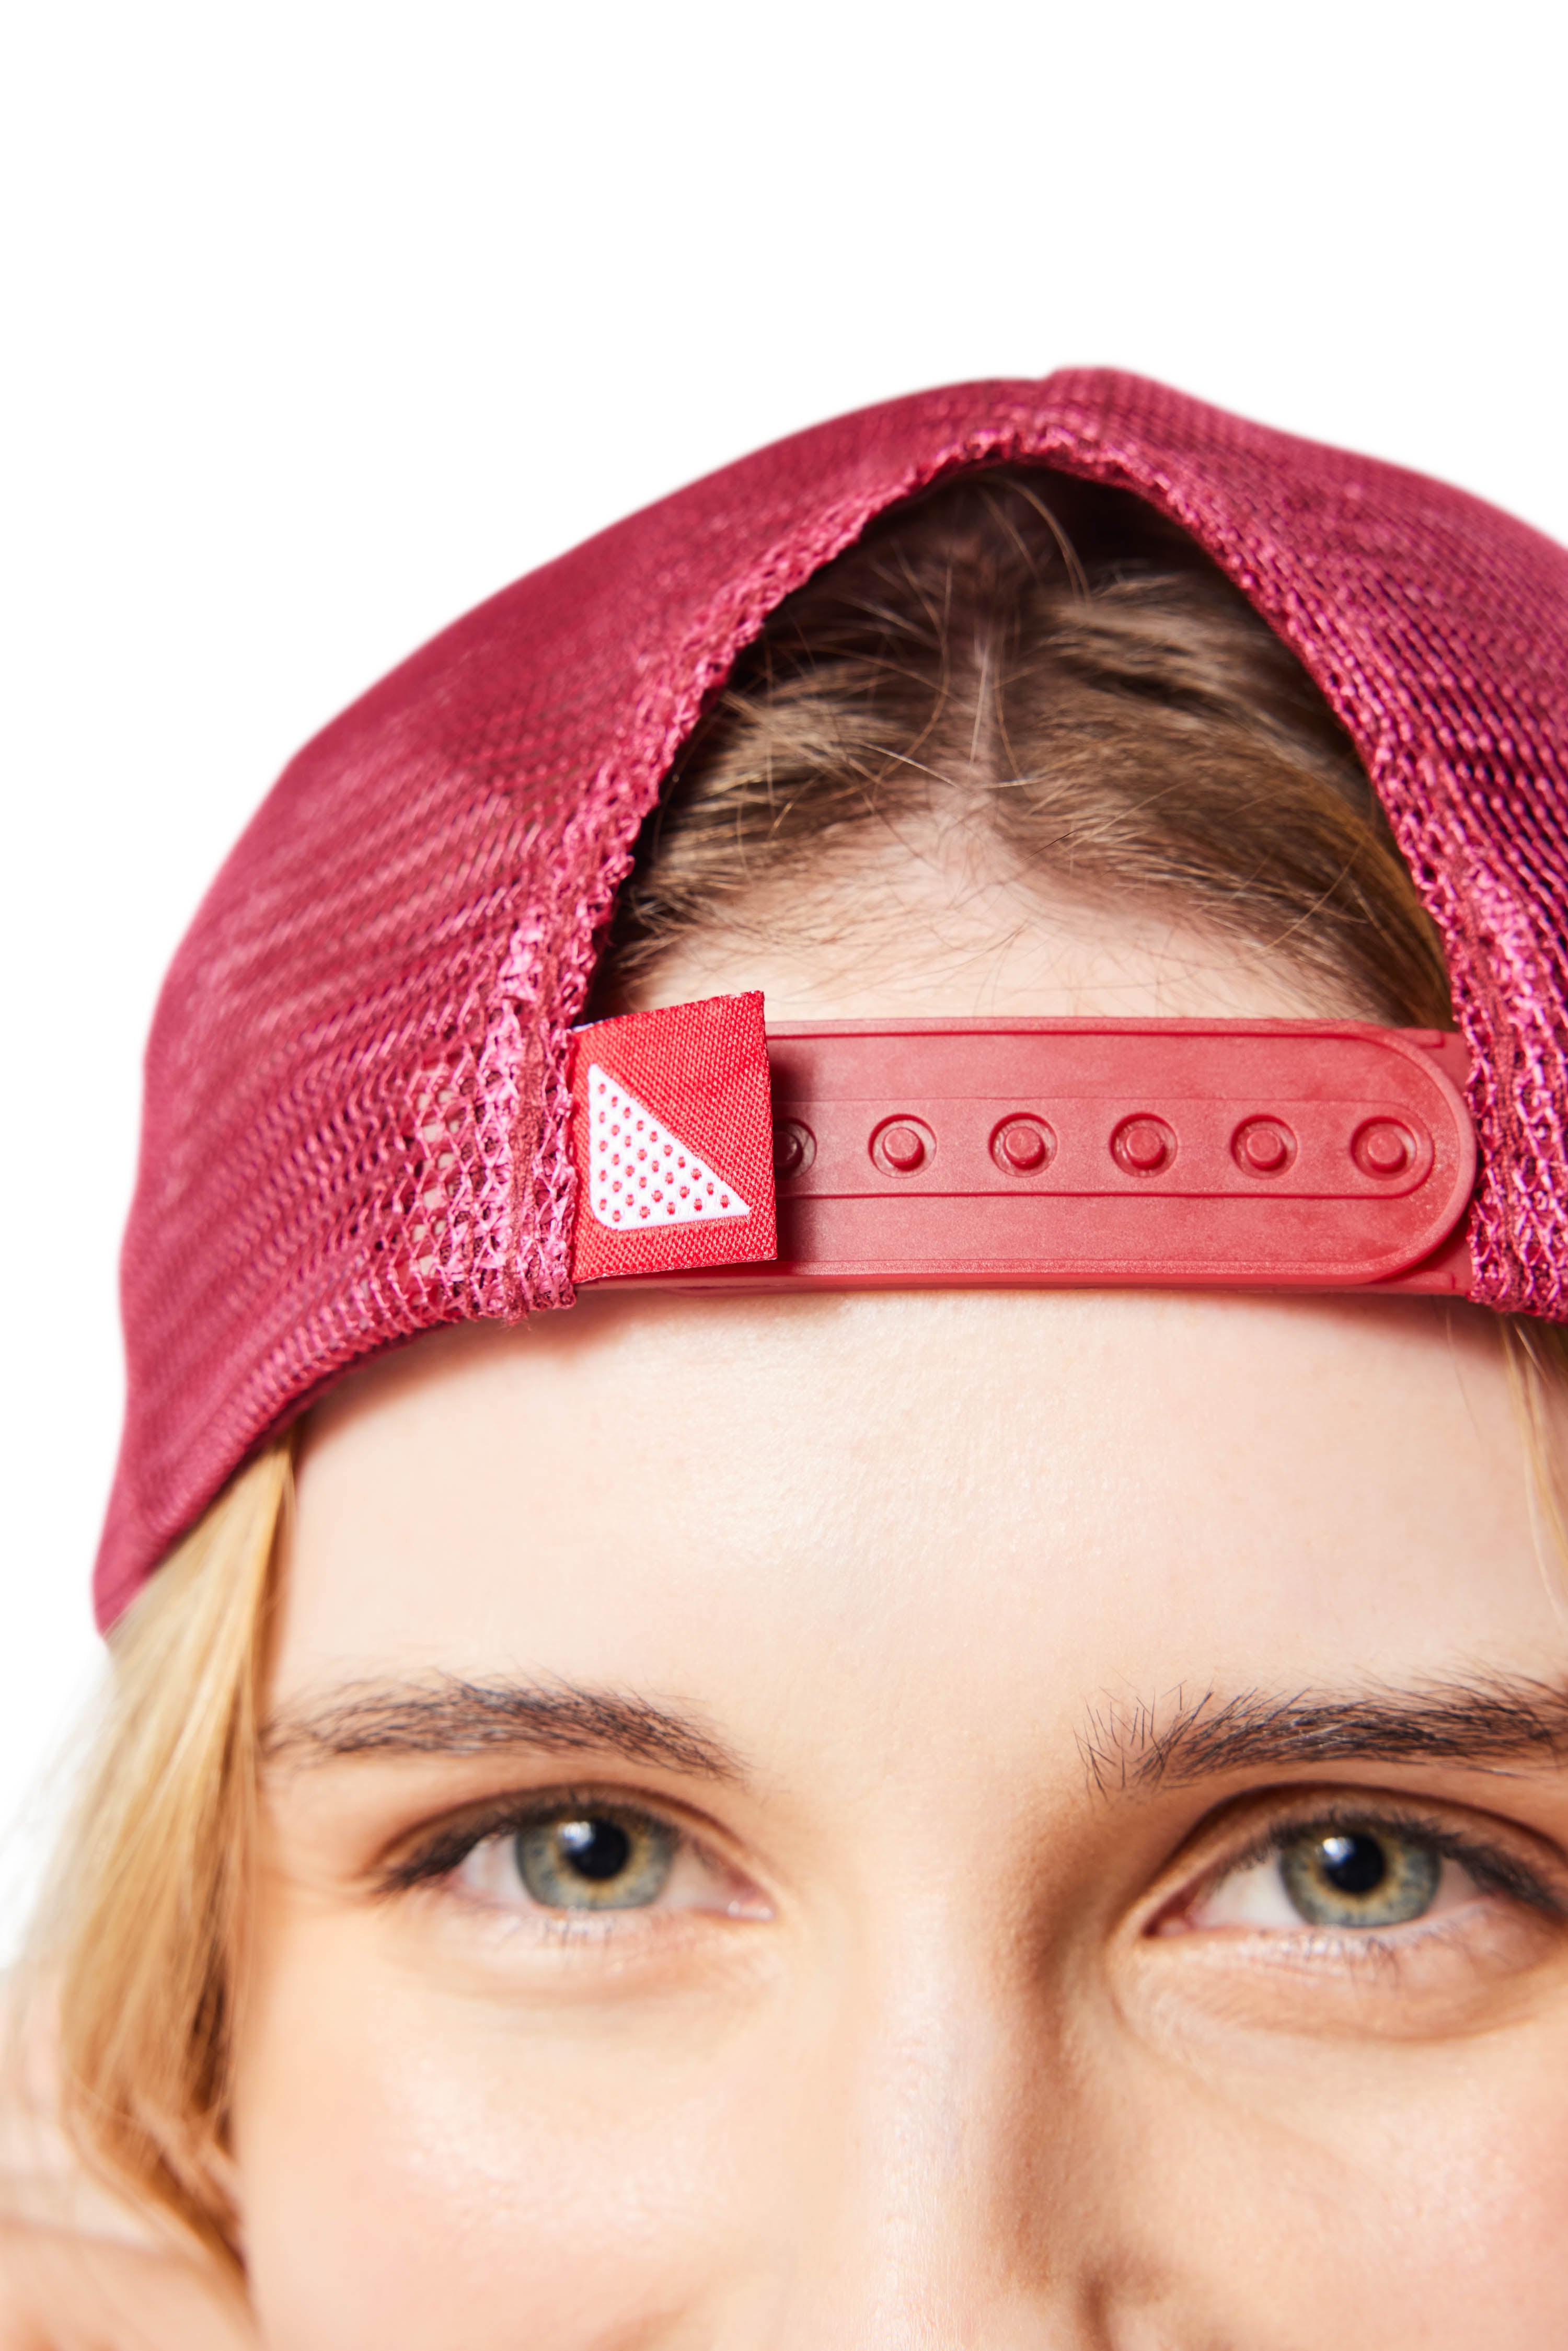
(989, 1497)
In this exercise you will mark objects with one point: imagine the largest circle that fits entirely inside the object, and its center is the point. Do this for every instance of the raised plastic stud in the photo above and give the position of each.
(1142, 1146)
(1383, 1147)
(1022, 1147)
(794, 1148)
(901, 1147)
(1263, 1147)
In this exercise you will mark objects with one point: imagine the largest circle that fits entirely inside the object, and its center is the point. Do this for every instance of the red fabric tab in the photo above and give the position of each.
(672, 1137)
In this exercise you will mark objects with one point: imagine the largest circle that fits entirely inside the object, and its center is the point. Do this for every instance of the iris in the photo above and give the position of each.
(598, 1860)
(1359, 1877)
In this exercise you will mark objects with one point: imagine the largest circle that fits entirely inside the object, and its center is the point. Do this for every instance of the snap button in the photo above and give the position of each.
(1382, 1147)
(1142, 1146)
(1263, 1147)
(1022, 1147)
(901, 1147)
(794, 1148)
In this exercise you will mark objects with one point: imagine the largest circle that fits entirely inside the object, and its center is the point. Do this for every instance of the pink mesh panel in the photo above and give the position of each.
(356, 1109)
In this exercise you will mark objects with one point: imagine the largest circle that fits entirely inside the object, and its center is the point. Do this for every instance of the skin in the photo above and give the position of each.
(973, 2016)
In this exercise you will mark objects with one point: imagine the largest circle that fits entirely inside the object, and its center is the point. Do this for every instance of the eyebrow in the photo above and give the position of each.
(1488, 1723)
(447, 1714)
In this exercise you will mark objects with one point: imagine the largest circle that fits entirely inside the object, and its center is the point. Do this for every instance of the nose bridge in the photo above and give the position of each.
(926, 2101)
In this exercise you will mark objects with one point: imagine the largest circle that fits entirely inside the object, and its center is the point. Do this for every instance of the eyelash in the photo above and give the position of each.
(1493, 1870)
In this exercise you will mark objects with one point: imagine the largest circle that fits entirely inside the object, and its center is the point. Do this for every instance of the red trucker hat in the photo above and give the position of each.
(359, 1118)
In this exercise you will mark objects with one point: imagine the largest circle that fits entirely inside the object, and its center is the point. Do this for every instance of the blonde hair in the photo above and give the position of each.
(1118, 715)
(141, 1937)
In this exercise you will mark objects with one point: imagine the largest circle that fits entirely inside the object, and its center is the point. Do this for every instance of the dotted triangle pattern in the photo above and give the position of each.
(640, 1174)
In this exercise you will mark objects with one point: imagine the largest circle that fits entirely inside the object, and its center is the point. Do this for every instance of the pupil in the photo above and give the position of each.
(1354, 1865)
(597, 1849)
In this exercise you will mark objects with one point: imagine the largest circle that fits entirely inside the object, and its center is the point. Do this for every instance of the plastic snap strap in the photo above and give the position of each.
(1018, 1153)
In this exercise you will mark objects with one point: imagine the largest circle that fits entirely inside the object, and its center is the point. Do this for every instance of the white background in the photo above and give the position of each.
(324, 320)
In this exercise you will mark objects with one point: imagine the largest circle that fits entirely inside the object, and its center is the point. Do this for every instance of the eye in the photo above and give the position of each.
(580, 1855)
(1356, 1875)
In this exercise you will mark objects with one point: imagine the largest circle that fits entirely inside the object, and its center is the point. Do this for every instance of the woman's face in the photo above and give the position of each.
(955, 1820)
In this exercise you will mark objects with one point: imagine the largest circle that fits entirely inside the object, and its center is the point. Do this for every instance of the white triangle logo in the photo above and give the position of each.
(639, 1173)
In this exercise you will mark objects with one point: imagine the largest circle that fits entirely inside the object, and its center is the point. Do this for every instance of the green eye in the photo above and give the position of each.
(595, 1860)
(1359, 1877)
